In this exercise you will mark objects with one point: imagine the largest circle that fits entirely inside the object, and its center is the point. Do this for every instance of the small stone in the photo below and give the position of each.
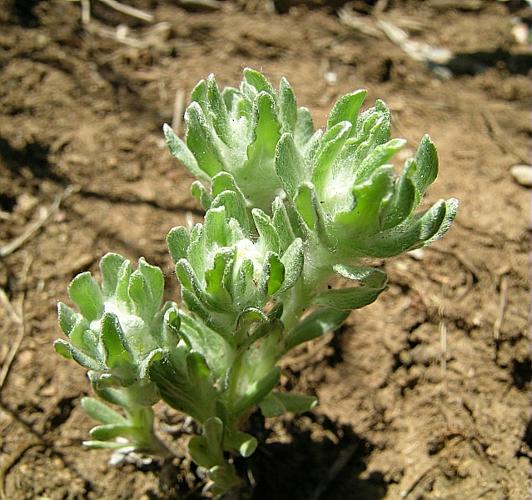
(522, 174)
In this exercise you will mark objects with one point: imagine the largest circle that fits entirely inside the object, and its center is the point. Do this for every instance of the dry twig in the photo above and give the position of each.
(503, 300)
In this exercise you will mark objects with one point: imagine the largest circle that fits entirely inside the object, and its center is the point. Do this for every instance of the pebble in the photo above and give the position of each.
(522, 174)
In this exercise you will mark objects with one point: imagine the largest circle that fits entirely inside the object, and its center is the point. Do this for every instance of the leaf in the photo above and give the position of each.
(266, 132)
(155, 283)
(258, 81)
(287, 106)
(219, 116)
(292, 260)
(242, 442)
(110, 265)
(201, 142)
(451, 209)
(148, 361)
(401, 203)
(257, 392)
(111, 431)
(427, 166)
(346, 108)
(296, 403)
(273, 275)
(116, 350)
(67, 318)
(214, 277)
(314, 325)
(86, 294)
(122, 283)
(177, 241)
(139, 294)
(268, 235)
(215, 226)
(235, 207)
(373, 283)
(179, 150)
(199, 192)
(331, 143)
(198, 448)
(277, 403)
(379, 156)
(101, 412)
(62, 347)
(371, 198)
(289, 164)
(282, 224)
(304, 127)
(410, 234)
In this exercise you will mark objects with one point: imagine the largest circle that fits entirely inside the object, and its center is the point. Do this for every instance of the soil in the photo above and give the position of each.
(425, 393)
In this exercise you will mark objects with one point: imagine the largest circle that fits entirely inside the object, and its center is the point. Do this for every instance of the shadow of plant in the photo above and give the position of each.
(311, 458)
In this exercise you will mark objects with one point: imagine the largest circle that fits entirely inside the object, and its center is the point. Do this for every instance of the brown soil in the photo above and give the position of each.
(424, 394)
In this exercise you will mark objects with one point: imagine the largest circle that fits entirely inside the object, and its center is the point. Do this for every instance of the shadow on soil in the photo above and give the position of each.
(320, 460)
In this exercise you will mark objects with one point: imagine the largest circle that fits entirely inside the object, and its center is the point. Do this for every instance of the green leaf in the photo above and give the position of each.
(287, 106)
(379, 156)
(201, 141)
(235, 207)
(243, 443)
(304, 127)
(86, 294)
(201, 194)
(199, 450)
(373, 283)
(177, 241)
(155, 283)
(111, 431)
(401, 203)
(67, 318)
(410, 234)
(179, 150)
(110, 265)
(122, 283)
(277, 403)
(289, 164)
(101, 412)
(139, 294)
(214, 277)
(273, 273)
(266, 133)
(314, 325)
(219, 116)
(296, 403)
(116, 350)
(371, 197)
(215, 226)
(451, 209)
(62, 347)
(258, 391)
(346, 108)
(331, 143)
(292, 260)
(282, 224)
(268, 235)
(258, 81)
(145, 365)
(427, 166)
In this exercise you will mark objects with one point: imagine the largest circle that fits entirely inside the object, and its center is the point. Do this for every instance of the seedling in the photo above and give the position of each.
(288, 208)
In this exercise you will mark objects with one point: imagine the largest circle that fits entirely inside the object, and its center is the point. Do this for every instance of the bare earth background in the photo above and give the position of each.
(424, 394)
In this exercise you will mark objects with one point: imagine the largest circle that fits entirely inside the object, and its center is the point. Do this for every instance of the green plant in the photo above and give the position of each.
(287, 209)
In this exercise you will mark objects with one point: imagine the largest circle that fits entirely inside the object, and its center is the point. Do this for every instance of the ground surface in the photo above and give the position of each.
(424, 394)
